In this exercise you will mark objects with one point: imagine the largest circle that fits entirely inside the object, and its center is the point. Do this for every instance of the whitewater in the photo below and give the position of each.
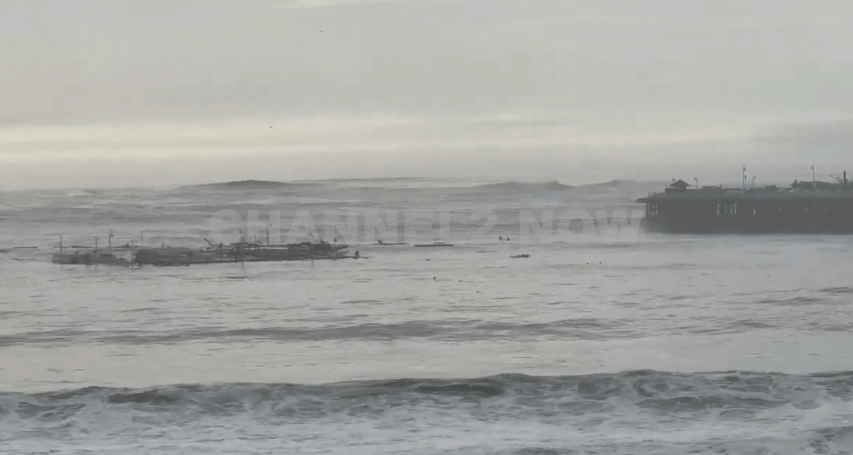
(654, 344)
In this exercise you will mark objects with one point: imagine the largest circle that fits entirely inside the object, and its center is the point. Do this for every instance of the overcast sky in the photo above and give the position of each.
(114, 92)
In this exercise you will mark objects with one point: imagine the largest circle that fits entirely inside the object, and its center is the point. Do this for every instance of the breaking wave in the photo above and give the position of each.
(711, 393)
(736, 410)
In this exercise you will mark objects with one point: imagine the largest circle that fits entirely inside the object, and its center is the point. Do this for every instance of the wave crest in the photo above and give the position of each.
(646, 389)
(703, 413)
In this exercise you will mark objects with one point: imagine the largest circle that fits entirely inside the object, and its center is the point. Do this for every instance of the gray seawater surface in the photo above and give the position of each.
(666, 344)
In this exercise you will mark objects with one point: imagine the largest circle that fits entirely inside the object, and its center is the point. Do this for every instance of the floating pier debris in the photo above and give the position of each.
(175, 256)
(239, 252)
(434, 245)
(90, 256)
(243, 251)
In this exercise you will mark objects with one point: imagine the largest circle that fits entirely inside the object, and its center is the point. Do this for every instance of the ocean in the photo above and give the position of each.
(597, 343)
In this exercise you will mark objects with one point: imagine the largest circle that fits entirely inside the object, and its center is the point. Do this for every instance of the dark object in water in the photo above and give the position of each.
(388, 244)
(436, 244)
(520, 256)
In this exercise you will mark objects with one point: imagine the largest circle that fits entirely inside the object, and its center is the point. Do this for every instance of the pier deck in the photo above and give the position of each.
(812, 208)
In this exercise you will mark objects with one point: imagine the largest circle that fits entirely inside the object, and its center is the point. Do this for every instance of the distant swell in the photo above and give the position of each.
(513, 186)
(838, 291)
(555, 186)
(578, 329)
(246, 184)
(508, 187)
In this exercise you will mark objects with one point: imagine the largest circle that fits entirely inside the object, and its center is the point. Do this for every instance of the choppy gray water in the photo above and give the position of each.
(659, 345)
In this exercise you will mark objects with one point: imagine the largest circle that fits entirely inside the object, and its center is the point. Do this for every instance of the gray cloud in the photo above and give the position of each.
(147, 78)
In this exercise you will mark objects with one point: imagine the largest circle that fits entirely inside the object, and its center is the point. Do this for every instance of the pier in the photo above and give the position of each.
(804, 207)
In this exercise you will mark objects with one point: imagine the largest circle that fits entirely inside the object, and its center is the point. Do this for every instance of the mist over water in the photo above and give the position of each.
(665, 344)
